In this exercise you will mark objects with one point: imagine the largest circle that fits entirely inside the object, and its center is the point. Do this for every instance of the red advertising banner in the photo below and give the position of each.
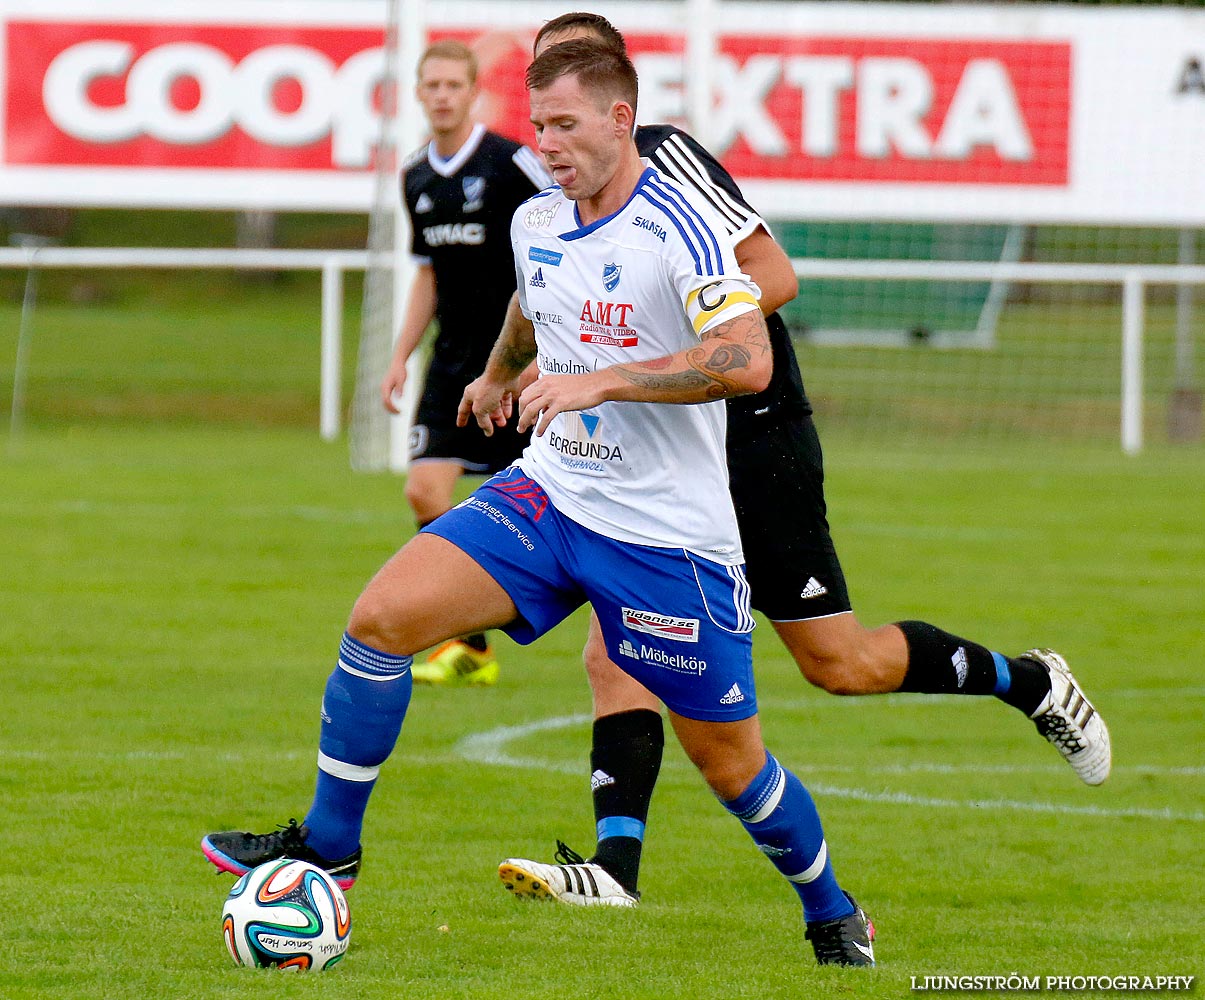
(191, 95)
(966, 111)
(972, 111)
(975, 111)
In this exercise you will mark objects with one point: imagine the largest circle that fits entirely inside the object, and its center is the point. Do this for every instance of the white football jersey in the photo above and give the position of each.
(640, 284)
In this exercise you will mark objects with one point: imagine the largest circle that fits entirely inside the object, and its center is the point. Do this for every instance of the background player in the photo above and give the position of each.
(460, 191)
(777, 482)
(620, 500)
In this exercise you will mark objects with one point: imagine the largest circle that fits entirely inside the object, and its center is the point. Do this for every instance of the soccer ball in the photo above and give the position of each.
(289, 914)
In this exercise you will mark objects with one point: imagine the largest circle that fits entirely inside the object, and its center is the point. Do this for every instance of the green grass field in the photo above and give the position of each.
(171, 600)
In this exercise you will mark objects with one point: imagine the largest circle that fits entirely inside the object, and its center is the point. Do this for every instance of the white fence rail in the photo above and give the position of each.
(331, 263)
(1133, 281)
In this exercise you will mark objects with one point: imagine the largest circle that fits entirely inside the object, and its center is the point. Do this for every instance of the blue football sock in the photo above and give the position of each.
(781, 818)
(362, 711)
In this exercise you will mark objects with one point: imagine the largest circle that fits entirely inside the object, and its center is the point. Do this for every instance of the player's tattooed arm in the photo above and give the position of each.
(515, 347)
(489, 399)
(733, 359)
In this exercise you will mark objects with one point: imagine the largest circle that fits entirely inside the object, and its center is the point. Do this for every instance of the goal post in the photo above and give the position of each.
(378, 440)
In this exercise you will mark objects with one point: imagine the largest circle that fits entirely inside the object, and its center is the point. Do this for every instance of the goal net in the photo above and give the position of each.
(930, 363)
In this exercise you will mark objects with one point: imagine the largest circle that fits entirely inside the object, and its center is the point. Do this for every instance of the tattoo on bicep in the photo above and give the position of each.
(748, 329)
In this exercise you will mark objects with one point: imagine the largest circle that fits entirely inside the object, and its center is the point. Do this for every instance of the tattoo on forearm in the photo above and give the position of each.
(744, 338)
(671, 382)
(513, 351)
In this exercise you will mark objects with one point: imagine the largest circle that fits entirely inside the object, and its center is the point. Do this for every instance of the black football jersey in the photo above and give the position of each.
(460, 211)
(677, 155)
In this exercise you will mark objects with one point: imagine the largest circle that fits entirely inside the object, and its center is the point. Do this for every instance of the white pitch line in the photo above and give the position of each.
(904, 799)
(490, 748)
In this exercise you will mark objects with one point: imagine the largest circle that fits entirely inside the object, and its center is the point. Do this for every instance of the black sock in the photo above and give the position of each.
(941, 663)
(1029, 684)
(624, 759)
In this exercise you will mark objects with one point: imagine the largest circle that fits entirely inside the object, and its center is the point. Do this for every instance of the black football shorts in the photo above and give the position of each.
(435, 436)
(777, 479)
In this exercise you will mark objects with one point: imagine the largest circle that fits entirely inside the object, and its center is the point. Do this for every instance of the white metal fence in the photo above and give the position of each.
(332, 264)
(1132, 280)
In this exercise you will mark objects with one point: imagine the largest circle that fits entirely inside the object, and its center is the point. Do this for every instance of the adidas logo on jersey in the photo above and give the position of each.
(424, 203)
(734, 696)
(537, 279)
(813, 588)
(600, 779)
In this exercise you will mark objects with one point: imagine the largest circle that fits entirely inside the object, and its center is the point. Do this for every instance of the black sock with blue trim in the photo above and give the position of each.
(942, 663)
(625, 759)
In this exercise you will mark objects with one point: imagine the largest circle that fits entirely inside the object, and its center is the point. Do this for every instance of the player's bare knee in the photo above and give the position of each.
(594, 657)
(834, 674)
(727, 778)
(375, 623)
(726, 772)
(426, 504)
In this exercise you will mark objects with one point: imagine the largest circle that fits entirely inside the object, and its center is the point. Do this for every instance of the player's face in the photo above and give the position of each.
(446, 94)
(580, 136)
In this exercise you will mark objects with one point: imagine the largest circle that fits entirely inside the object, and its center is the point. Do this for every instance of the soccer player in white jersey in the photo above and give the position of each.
(633, 304)
(796, 580)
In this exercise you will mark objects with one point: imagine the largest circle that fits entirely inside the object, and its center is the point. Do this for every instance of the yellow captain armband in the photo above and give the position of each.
(719, 301)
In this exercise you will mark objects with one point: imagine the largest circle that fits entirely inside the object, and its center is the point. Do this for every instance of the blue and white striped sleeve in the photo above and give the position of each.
(702, 264)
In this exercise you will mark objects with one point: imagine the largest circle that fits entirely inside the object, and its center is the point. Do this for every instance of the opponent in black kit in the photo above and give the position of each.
(460, 191)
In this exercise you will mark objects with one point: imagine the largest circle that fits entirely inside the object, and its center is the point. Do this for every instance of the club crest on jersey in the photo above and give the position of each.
(610, 276)
(662, 626)
(474, 193)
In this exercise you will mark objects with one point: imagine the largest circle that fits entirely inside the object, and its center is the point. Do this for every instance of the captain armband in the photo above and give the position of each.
(719, 301)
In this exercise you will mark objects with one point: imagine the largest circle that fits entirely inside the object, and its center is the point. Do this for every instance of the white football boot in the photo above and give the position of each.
(577, 882)
(1068, 720)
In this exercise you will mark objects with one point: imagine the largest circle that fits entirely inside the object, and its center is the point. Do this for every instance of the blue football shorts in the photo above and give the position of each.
(680, 624)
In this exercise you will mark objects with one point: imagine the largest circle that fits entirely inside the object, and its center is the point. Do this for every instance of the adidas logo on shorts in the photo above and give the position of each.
(734, 696)
(813, 588)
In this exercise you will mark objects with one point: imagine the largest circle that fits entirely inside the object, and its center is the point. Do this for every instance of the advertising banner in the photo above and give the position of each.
(821, 110)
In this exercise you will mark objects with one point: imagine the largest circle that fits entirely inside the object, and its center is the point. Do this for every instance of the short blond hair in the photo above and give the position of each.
(450, 48)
